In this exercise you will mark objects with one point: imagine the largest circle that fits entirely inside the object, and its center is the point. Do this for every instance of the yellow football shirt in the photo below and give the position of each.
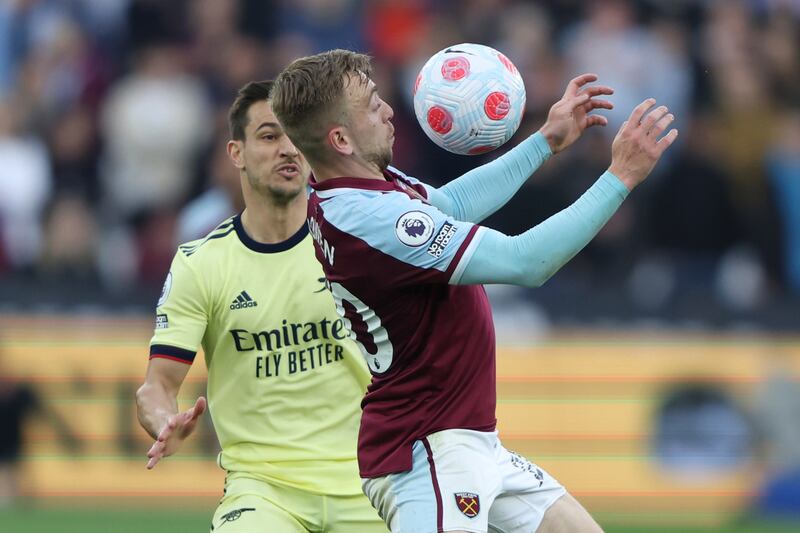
(284, 381)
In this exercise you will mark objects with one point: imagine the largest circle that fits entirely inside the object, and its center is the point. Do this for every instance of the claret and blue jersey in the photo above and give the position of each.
(393, 262)
(405, 263)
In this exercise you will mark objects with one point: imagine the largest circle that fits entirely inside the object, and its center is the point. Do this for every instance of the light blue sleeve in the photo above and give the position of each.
(531, 258)
(483, 190)
(412, 240)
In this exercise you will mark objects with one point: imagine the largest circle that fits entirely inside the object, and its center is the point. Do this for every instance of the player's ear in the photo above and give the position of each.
(236, 153)
(340, 140)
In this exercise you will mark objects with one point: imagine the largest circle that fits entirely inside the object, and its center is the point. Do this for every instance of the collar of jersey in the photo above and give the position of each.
(347, 182)
(264, 248)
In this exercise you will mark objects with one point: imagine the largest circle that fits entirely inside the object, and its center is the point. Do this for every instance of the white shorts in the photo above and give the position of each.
(464, 480)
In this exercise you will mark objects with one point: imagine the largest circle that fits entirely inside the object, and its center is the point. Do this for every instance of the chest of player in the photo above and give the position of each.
(275, 308)
(268, 292)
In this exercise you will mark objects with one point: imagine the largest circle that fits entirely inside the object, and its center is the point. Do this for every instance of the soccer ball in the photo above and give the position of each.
(469, 98)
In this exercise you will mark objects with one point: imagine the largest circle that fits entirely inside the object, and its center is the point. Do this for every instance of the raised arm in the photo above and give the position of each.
(157, 408)
(483, 190)
(529, 259)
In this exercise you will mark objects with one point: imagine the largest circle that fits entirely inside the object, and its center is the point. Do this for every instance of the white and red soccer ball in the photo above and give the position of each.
(469, 98)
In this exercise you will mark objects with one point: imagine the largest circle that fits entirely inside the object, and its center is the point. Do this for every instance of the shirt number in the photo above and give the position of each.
(365, 329)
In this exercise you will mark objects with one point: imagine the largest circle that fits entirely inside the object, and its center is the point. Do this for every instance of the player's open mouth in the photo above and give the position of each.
(288, 171)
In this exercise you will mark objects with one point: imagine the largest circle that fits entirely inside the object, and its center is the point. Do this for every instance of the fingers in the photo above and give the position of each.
(651, 122)
(584, 101)
(597, 90)
(652, 117)
(597, 104)
(666, 141)
(155, 454)
(639, 111)
(596, 120)
(168, 429)
(661, 125)
(199, 407)
(576, 83)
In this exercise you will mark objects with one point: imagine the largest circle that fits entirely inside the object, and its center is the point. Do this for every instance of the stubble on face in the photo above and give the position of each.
(381, 158)
(263, 176)
(377, 153)
(278, 194)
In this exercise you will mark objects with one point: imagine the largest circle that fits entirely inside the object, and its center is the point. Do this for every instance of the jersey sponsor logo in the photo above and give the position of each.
(414, 228)
(442, 239)
(288, 349)
(299, 360)
(165, 290)
(468, 503)
(243, 301)
(234, 515)
(162, 322)
(289, 334)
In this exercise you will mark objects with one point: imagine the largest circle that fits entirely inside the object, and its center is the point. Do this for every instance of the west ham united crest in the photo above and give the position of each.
(468, 503)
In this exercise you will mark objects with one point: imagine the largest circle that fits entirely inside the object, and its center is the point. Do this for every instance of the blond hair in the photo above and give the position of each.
(308, 96)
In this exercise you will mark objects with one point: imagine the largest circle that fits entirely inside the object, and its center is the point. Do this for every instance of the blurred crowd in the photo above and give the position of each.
(112, 132)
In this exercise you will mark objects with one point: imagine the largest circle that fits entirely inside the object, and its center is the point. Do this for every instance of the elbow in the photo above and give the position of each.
(541, 280)
(141, 394)
(537, 278)
(534, 282)
(141, 401)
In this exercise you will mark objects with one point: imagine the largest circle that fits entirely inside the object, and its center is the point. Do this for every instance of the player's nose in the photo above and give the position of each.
(288, 149)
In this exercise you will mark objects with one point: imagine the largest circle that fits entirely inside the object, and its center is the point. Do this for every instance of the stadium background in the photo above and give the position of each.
(657, 375)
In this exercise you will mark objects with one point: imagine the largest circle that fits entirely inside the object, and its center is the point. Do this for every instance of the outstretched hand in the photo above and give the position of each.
(639, 143)
(569, 117)
(178, 427)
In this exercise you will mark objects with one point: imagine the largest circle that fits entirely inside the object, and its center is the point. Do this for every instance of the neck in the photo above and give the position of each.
(352, 167)
(270, 222)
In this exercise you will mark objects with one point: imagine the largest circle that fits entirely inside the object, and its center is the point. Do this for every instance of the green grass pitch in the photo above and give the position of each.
(85, 520)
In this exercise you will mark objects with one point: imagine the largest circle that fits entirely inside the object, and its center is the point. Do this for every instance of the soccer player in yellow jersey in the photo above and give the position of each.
(284, 380)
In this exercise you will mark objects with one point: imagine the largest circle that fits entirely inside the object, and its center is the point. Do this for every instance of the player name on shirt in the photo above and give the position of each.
(325, 247)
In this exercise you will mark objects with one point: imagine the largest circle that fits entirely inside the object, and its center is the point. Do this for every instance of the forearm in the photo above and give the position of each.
(531, 258)
(154, 405)
(483, 190)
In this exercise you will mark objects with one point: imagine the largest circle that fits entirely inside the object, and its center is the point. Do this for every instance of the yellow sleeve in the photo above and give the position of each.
(181, 314)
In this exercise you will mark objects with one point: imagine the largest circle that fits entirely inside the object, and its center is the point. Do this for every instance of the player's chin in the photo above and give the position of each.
(288, 190)
(385, 159)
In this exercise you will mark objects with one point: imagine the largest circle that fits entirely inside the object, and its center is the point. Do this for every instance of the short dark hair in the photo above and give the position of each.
(254, 91)
(309, 96)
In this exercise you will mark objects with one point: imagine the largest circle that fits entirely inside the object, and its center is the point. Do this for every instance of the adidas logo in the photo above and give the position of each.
(242, 301)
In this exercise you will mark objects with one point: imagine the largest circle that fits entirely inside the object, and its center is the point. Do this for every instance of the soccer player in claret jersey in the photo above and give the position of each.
(405, 262)
(284, 382)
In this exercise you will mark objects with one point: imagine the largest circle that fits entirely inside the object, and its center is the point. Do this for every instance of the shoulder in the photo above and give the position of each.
(219, 237)
(358, 207)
